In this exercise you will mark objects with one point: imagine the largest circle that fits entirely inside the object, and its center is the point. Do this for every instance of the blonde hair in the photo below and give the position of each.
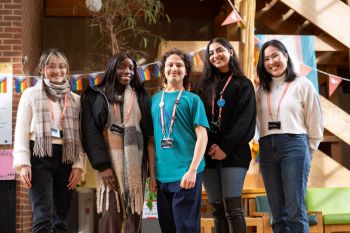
(45, 58)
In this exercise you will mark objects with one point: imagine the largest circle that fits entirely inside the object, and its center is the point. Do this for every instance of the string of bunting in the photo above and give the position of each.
(80, 81)
(146, 72)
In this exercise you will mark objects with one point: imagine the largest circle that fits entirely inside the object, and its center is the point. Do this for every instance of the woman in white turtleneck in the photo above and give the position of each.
(290, 125)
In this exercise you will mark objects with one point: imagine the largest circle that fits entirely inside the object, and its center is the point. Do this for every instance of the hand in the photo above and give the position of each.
(26, 176)
(189, 179)
(153, 184)
(109, 179)
(216, 152)
(74, 178)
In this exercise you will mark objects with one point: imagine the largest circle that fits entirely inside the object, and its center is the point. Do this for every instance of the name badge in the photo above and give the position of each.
(117, 129)
(214, 127)
(274, 125)
(56, 133)
(166, 143)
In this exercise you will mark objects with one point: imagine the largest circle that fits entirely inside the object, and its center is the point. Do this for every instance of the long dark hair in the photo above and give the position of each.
(184, 57)
(211, 75)
(264, 76)
(110, 80)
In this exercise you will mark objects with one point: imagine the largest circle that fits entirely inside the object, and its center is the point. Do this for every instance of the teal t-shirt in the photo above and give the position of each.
(173, 163)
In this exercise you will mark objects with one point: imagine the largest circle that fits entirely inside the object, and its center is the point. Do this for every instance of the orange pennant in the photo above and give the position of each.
(304, 70)
(333, 83)
(233, 17)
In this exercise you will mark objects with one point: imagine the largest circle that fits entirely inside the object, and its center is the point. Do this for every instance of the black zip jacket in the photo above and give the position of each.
(94, 118)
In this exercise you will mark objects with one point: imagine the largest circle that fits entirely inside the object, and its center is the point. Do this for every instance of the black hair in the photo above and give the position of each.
(211, 75)
(110, 80)
(264, 76)
(188, 66)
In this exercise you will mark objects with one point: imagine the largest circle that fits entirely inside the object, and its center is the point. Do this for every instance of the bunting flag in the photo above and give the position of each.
(34, 80)
(233, 17)
(94, 78)
(304, 70)
(76, 82)
(196, 59)
(144, 73)
(333, 83)
(3, 84)
(156, 73)
(20, 84)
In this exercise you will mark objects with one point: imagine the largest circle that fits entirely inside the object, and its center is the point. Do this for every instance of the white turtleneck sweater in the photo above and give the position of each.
(300, 110)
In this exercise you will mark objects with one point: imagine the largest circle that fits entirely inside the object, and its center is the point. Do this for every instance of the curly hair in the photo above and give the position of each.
(188, 66)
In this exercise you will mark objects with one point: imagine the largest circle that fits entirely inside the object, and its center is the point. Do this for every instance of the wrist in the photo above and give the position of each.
(191, 169)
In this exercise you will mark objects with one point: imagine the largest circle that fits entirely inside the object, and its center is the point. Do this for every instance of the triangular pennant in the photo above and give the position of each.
(20, 83)
(333, 83)
(256, 40)
(233, 17)
(304, 70)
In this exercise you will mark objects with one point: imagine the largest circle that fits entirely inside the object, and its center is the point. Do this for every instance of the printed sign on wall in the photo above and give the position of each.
(5, 103)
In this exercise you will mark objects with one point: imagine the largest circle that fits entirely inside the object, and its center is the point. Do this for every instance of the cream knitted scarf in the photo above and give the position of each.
(126, 155)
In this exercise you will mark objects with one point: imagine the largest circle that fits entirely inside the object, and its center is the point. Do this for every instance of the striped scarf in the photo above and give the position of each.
(43, 120)
(126, 155)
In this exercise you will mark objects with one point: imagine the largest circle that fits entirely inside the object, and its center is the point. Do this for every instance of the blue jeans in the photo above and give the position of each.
(49, 195)
(223, 182)
(285, 166)
(179, 210)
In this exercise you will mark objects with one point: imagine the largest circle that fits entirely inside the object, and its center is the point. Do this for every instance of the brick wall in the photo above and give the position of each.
(21, 37)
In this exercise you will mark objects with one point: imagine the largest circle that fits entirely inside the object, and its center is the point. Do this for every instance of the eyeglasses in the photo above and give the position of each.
(61, 67)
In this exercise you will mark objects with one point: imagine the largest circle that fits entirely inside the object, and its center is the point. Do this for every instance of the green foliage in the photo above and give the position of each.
(149, 196)
(120, 22)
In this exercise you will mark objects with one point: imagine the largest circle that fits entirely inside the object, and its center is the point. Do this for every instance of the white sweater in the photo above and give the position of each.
(300, 110)
(25, 130)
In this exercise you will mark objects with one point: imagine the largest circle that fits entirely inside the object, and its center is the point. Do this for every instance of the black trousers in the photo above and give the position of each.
(49, 195)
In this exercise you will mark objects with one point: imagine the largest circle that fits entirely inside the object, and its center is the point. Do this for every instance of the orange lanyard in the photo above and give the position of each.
(161, 105)
(221, 99)
(279, 103)
(63, 111)
(115, 107)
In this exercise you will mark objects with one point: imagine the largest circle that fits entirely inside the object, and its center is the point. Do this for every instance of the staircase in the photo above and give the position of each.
(327, 21)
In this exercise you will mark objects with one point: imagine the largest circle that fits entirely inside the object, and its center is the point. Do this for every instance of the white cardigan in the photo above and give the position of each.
(25, 130)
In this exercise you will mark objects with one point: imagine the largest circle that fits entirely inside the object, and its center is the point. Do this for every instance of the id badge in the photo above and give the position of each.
(166, 143)
(214, 127)
(55, 132)
(274, 125)
(117, 129)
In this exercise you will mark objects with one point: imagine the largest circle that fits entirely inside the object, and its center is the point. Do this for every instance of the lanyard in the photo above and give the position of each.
(115, 107)
(63, 111)
(161, 105)
(279, 103)
(219, 101)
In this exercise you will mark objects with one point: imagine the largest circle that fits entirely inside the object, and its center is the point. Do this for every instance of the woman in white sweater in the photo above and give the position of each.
(47, 148)
(290, 125)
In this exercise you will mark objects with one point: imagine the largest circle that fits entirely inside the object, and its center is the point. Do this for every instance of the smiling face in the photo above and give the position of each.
(275, 62)
(174, 70)
(219, 56)
(55, 69)
(125, 71)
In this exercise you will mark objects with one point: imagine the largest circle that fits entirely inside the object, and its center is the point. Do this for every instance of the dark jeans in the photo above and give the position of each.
(285, 166)
(49, 195)
(179, 210)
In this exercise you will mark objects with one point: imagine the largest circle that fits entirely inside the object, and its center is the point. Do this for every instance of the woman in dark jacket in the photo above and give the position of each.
(230, 105)
(115, 127)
